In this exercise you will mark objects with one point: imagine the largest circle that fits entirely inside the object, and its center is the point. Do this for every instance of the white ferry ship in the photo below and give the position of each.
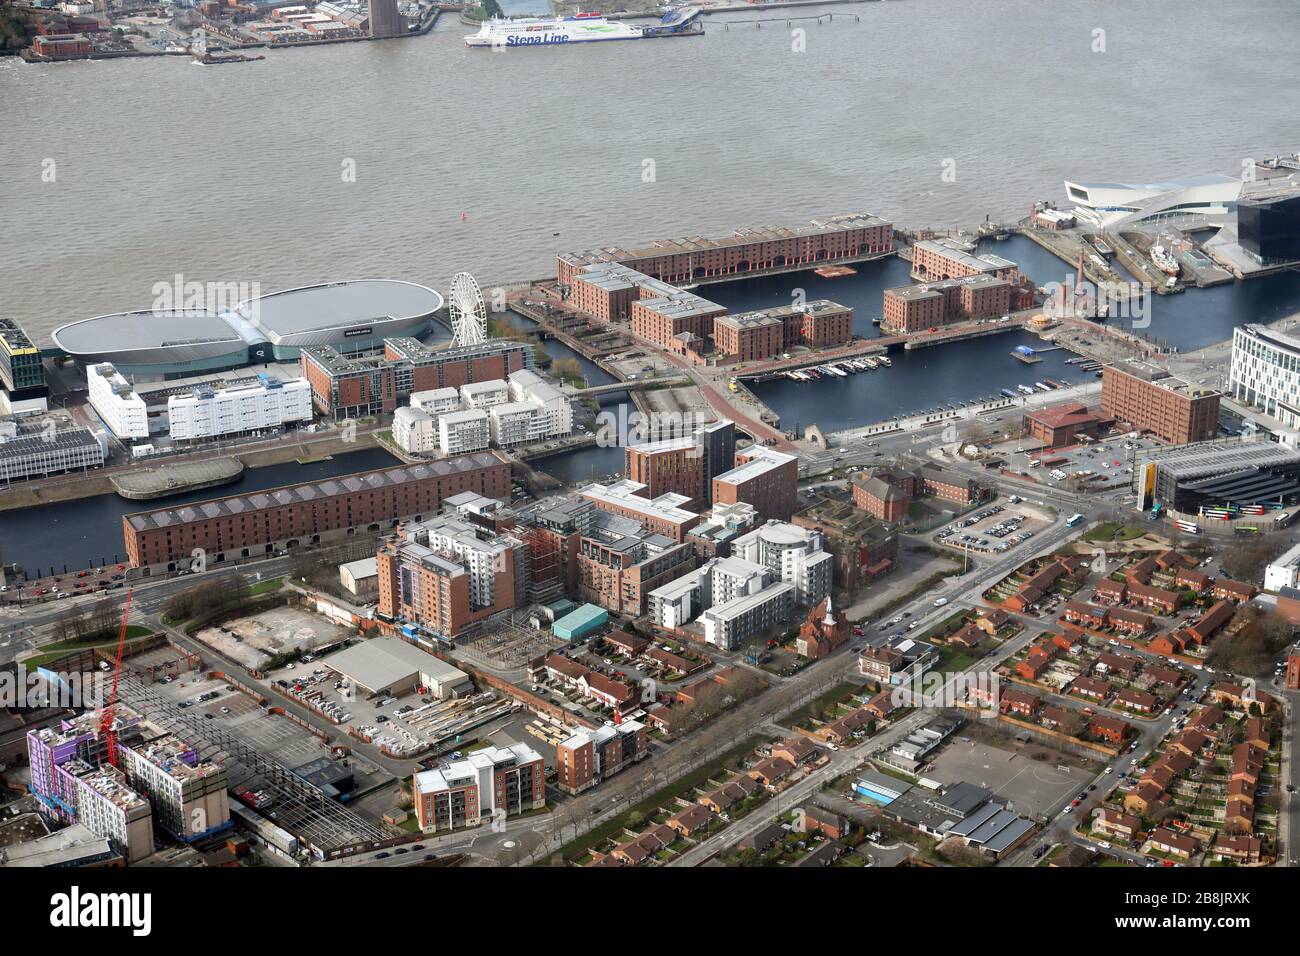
(580, 28)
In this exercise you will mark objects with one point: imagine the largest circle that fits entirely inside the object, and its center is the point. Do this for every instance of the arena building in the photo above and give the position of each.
(355, 316)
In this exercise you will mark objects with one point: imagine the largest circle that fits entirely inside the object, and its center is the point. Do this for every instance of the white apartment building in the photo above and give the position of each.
(1265, 372)
(715, 583)
(484, 394)
(556, 409)
(209, 413)
(795, 555)
(465, 431)
(729, 625)
(515, 423)
(437, 401)
(415, 431)
(482, 555)
(116, 403)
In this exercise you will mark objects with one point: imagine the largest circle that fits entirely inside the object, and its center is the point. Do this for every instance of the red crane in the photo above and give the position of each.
(106, 729)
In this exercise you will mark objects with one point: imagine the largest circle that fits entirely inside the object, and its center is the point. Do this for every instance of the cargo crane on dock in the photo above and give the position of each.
(107, 731)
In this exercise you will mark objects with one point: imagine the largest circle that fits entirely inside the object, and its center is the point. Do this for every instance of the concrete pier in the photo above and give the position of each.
(145, 484)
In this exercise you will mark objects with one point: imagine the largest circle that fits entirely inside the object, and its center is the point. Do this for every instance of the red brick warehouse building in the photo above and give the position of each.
(1152, 401)
(344, 386)
(293, 515)
(1068, 423)
(914, 308)
(745, 251)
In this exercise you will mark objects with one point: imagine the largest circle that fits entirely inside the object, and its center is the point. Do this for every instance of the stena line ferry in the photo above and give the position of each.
(580, 28)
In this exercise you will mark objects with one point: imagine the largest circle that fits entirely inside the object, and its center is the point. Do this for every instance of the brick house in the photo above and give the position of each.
(1019, 702)
(1109, 729)
(1115, 823)
(1035, 665)
(1226, 589)
(1125, 664)
(1087, 615)
(796, 750)
(1211, 621)
(1170, 843)
(690, 819)
(1129, 621)
(1090, 688)
(1140, 701)
(1110, 592)
(1144, 595)
(771, 771)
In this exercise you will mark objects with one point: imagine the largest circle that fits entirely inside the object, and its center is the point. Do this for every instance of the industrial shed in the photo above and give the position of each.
(388, 666)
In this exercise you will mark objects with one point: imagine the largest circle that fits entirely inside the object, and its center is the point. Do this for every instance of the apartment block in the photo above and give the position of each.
(210, 413)
(345, 386)
(495, 782)
(766, 480)
(592, 755)
(1152, 401)
(619, 563)
(664, 514)
(447, 573)
(291, 515)
(682, 465)
(731, 624)
(916, 308)
(795, 555)
(745, 251)
(749, 337)
(116, 403)
(415, 431)
(464, 431)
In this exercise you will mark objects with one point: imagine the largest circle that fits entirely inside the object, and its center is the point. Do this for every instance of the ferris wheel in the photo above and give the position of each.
(468, 311)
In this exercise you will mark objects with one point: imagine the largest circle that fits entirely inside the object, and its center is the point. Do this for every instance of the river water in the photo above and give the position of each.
(89, 531)
(237, 174)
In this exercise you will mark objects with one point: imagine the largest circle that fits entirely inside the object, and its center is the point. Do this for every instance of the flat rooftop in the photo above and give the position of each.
(146, 329)
(339, 305)
(382, 661)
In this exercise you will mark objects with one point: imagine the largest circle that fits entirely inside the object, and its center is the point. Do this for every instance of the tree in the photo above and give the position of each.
(1245, 560)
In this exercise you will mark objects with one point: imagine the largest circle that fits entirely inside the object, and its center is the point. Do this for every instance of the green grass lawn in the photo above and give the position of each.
(841, 691)
(264, 587)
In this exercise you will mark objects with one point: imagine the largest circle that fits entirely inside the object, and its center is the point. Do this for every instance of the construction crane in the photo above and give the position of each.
(106, 729)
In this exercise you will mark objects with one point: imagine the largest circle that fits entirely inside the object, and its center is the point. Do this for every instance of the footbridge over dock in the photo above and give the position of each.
(635, 385)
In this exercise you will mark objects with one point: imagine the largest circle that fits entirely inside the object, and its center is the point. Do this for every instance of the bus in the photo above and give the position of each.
(1157, 511)
(1191, 527)
(1074, 519)
(1246, 529)
(1217, 514)
(1252, 509)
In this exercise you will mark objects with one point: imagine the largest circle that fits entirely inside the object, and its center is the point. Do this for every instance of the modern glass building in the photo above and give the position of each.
(1269, 229)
